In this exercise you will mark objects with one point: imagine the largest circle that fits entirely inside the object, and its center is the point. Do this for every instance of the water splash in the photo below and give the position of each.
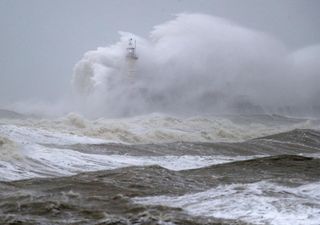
(197, 64)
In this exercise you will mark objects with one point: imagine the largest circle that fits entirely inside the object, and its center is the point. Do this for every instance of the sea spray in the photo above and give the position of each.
(196, 64)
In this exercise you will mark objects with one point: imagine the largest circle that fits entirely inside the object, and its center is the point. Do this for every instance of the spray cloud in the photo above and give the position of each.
(198, 64)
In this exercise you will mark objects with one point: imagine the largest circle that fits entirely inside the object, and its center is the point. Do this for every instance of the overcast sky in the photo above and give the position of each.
(41, 40)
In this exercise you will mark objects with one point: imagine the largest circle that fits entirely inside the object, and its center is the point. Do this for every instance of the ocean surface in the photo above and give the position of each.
(159, 169)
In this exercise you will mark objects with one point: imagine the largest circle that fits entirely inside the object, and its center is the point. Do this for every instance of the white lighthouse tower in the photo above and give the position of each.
(131, 58)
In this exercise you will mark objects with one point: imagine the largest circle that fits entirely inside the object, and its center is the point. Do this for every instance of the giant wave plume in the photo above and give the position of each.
(199, 64)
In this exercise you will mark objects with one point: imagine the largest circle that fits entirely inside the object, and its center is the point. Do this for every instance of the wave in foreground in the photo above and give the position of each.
(67, 146)
(270, 190)
(260, 169)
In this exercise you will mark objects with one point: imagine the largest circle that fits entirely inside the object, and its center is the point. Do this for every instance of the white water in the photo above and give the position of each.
(257, 203)
(23, 155)
(39, 161)
(25, 152)
(152, 128)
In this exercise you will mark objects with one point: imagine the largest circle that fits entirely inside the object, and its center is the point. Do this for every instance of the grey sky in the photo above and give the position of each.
(41, 40)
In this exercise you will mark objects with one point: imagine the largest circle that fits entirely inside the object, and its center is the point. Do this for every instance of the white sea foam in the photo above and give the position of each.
(24, 155)
(25, 135)
(152, 128)
(39, 161)
(258, 203)
(25, 150)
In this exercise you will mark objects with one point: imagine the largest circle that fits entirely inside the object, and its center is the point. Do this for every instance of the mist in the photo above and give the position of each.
(198, 63)
(216, 57)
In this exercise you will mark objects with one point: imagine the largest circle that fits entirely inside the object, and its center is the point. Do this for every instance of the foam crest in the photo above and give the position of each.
(152, 128)
(257, 203)
(41, 161)
(27, 152)
(27, 135)
(8, 149)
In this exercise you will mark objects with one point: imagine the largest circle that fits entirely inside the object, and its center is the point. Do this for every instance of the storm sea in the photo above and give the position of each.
(203, 121)
(159, 169)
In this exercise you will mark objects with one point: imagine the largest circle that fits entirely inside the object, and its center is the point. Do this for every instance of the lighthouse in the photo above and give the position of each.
(131, 50)
(131, 58)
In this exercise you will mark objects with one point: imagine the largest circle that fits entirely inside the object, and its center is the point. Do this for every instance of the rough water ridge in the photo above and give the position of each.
(106, 197)
(53, 177)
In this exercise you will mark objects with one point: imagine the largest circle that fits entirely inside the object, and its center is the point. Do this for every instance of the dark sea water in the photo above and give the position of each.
(160, 170)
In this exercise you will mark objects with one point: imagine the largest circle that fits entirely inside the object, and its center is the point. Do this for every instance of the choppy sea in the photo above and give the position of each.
(160, 169)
